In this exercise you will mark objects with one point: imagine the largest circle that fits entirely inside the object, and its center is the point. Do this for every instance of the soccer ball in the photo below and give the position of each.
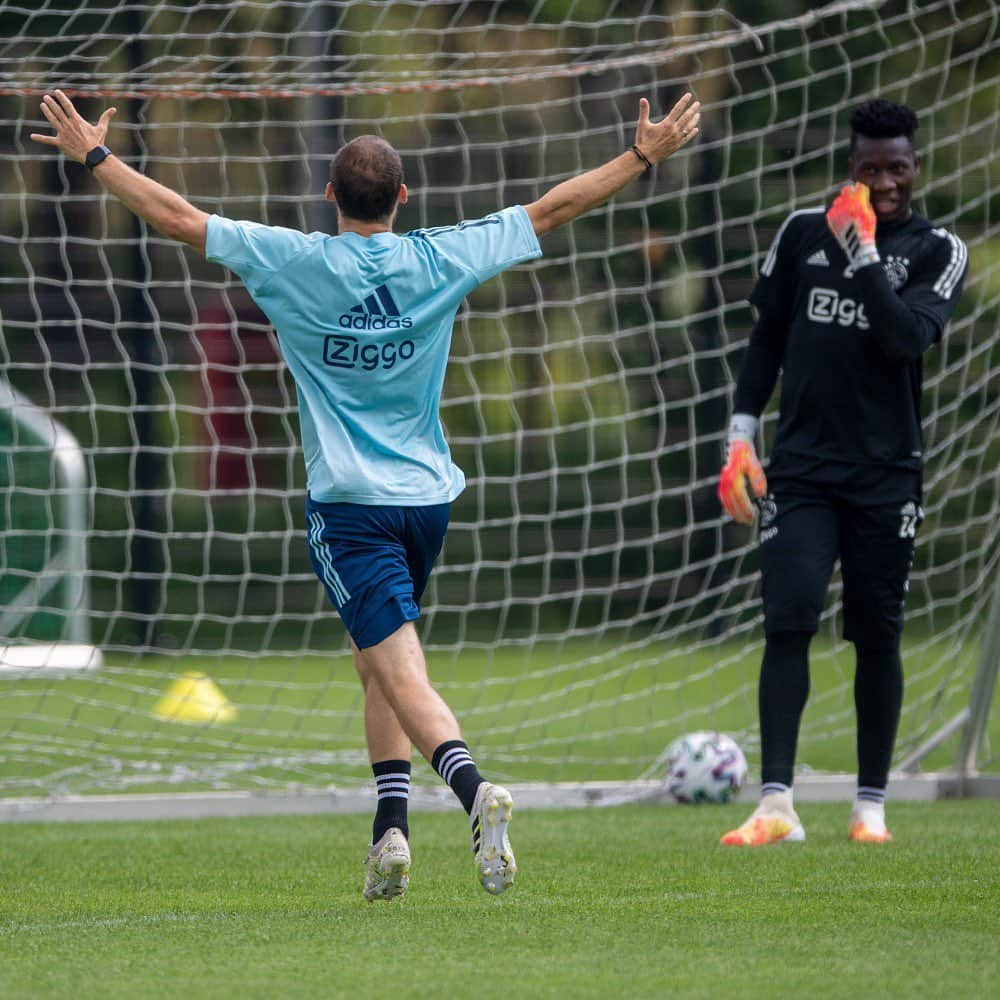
(705, 767)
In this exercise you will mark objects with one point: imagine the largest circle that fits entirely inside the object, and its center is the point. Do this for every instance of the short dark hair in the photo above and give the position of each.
(366, 175)
(881, 119)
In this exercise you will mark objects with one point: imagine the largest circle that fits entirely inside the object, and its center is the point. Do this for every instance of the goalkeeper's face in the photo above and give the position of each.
(889, 167)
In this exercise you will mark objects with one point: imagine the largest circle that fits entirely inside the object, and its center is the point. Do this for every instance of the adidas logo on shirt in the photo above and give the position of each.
(377, 311)
(819, 259)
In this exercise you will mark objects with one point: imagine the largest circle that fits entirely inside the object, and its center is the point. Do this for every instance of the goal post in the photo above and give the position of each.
(591, 602)
(983, 689)
(43, 483)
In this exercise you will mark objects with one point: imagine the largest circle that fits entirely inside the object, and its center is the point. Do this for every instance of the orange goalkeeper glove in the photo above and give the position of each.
(851, 219)
(742, 468)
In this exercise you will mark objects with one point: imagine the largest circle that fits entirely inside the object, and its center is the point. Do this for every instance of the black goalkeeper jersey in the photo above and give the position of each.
(844, 405)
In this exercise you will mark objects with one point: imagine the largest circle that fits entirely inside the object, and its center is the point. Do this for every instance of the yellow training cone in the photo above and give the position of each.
(194, 697)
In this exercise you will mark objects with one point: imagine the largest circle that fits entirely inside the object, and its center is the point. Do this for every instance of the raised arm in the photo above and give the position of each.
(165, 210)
(902, 333)
(654, 141)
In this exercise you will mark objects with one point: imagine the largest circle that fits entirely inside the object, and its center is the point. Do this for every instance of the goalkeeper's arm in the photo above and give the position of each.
(654, 141)
(901, 334)
(165, 210)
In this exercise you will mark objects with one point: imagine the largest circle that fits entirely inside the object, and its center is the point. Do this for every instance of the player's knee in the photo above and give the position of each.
(879, 655)
(873, 634)
(403, 681)
(873, 623)
(395, 660)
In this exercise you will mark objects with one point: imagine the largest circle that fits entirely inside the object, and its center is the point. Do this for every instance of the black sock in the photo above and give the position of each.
(454, 763)
(392, 780)
(781, 696)
(878, 698)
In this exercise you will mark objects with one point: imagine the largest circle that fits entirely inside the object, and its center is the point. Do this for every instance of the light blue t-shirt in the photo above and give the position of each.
(365, 328)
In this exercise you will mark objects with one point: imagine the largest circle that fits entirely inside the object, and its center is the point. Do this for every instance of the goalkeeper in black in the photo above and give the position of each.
(848, 300)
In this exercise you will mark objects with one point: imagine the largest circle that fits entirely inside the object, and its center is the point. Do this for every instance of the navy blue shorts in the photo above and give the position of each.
(374, 561)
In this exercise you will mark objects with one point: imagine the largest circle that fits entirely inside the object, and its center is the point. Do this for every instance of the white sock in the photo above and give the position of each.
(774, 788)
(867, 794)
(777, 798)
(872, 814)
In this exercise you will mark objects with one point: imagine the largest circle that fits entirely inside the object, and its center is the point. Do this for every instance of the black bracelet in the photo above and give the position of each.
(642, 156)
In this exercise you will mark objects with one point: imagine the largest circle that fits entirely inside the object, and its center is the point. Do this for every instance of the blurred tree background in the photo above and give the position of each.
(588, 392)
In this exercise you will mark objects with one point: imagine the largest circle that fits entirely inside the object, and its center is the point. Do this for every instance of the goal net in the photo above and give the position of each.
(591, 603)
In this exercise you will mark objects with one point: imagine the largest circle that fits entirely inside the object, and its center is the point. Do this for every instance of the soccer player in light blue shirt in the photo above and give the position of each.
(364, 324)
(364, 321)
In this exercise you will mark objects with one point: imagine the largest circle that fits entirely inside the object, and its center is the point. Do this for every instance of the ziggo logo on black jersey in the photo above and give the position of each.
(826, 305)
(347, 352)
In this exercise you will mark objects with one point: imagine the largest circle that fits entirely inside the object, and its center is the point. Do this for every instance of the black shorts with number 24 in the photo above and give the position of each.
(805, 528)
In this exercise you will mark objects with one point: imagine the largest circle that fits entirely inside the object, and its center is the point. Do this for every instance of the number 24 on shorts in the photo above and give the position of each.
(910, 518)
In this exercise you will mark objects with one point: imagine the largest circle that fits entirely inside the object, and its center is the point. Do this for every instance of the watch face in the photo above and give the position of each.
(97, 155)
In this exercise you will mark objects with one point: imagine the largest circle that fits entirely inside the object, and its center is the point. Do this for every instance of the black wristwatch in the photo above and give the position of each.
(97, 155)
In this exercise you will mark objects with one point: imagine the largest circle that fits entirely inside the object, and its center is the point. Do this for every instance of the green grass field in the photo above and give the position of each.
(636, 901)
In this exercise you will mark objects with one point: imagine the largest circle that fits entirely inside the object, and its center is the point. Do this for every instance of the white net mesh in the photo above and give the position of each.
(591, 604)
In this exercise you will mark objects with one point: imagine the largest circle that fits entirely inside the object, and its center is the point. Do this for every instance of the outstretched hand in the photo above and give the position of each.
(658, 140)
(75, 136)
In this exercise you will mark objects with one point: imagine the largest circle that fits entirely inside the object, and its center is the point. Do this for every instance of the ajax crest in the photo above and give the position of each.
(768, 510)
(896, 270)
